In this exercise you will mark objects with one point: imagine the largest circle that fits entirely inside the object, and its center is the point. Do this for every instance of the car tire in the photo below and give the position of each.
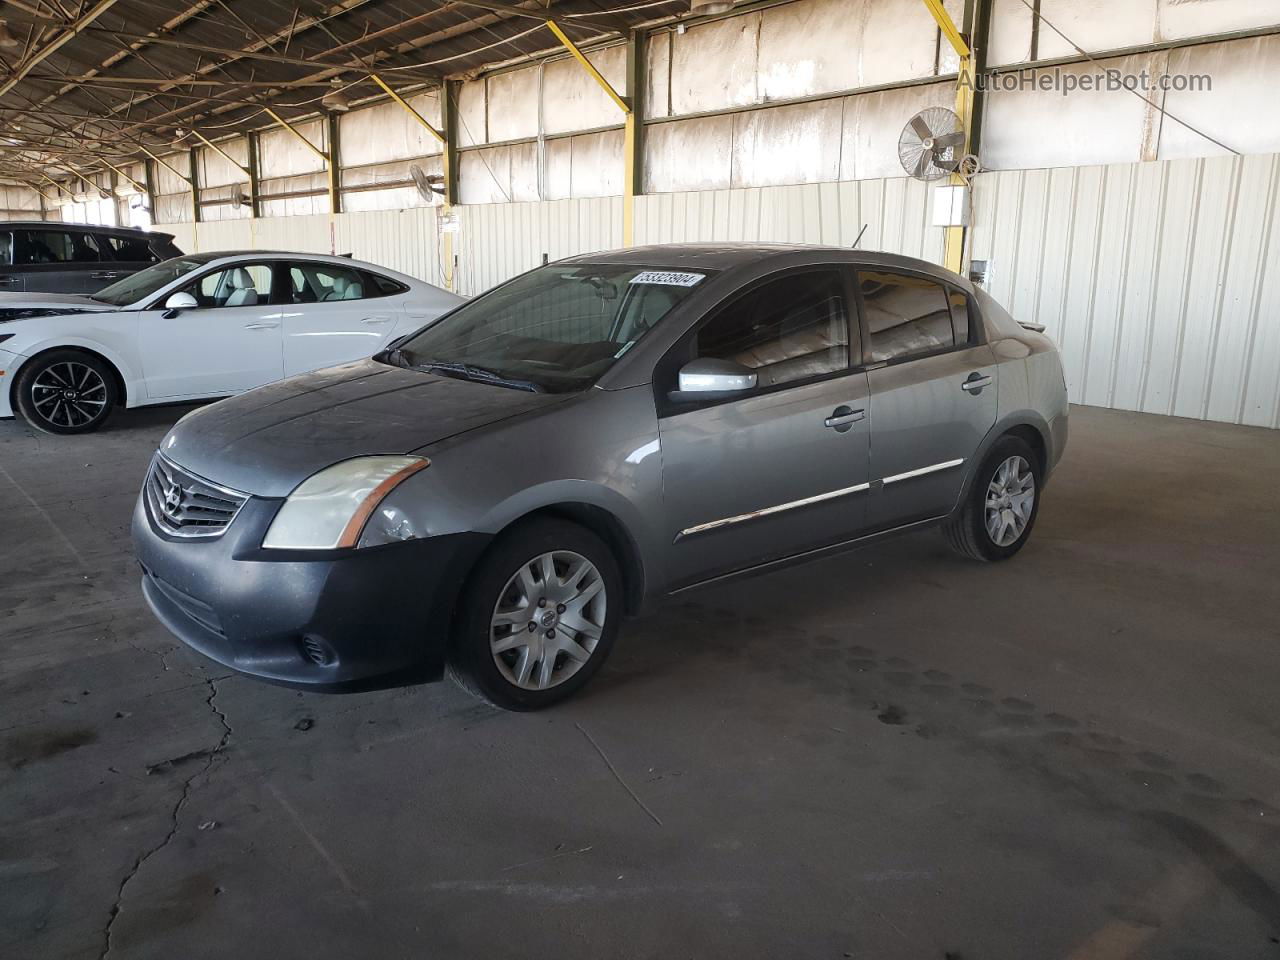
(997, 516)
(66, 391)
(532, 631)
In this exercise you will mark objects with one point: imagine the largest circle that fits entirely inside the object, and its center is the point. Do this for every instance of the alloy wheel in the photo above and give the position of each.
(548, 620)
(1011, 497)
(69, 394)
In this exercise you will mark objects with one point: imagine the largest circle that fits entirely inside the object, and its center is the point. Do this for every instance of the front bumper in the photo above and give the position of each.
(329, 620)
(8, 370)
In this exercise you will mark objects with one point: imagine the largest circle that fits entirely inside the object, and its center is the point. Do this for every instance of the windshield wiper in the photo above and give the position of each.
(476, 374)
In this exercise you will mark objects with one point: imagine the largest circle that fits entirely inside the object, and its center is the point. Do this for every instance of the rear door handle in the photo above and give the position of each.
(8, 281)
(105, 275)
(843, 417)
(261, 325)
(975, 383)
(375, 319)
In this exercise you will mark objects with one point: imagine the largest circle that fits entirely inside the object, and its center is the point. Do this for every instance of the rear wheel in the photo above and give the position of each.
(66, 391)
(538, 616)
(996, 518)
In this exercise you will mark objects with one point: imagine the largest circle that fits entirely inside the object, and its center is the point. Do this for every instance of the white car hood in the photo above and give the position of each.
(52, 301)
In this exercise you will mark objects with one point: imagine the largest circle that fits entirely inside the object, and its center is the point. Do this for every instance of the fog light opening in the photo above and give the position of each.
(318, 652)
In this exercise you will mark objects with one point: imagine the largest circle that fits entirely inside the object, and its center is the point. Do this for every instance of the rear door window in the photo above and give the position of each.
(325, 283)
(6, 249)
(905, 316)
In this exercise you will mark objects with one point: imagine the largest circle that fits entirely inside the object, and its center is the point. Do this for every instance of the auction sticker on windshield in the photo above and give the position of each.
(667, 277)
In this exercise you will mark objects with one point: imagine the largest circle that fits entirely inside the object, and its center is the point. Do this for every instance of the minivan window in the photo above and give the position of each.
(132, 249)
(6, 248)
(54, 246)
(789, 329)
(556, 328)
(905, 316)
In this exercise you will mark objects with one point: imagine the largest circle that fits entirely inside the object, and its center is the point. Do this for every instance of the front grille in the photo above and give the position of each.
(185, 505)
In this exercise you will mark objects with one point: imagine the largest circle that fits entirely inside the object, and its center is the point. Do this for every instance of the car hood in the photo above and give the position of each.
(18, 306)
(267, 441)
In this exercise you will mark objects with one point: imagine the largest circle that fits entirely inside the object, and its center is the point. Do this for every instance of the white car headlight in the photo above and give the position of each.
(330, 508)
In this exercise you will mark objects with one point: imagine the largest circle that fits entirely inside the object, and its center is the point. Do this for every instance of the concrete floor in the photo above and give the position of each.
(894, 753)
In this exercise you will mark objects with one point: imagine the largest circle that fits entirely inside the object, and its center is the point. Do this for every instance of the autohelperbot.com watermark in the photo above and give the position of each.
(1105, 79)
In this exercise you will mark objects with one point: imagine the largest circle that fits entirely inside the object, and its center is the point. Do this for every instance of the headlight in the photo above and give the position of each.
(330, 508)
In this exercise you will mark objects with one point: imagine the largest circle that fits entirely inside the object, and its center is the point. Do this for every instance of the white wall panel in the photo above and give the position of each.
(894, 211)
(386, 131)
(793, 144)
(572, 98)
(1160, 281)
(873, 122)
(714, 65)
(282, 154)
(1244, 74)
(216, 170)
(498, 241)
(513, 105)
(1043, 128)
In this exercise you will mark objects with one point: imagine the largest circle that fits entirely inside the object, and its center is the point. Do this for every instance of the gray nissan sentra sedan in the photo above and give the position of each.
(496, 491)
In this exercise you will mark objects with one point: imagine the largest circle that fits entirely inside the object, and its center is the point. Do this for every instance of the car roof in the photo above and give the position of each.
(727, 256)
(212, 255)
(81, 228)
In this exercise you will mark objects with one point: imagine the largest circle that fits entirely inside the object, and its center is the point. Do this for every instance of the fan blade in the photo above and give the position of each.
(949, 140)
(921, 165)
(920, 127)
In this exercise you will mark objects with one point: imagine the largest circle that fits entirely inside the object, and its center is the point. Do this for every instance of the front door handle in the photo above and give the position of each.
(375, 319)
(8, 281)
(262, 325)
(843, 418)
(105, 275)
(975, 383)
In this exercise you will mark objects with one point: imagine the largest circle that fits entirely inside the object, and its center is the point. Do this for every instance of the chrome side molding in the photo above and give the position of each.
(933, 468)
(817, 498)
(776, 508)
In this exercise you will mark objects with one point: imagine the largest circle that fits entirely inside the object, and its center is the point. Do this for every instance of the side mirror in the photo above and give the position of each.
(177, 302)
(708, 378)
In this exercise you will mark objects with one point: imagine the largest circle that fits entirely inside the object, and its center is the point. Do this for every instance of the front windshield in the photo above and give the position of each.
(144, 283)
(554, 329)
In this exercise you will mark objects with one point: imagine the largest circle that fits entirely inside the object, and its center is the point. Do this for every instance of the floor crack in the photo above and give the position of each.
(174, 816)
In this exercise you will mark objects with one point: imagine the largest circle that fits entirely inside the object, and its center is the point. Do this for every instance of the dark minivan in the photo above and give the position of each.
(43, 257)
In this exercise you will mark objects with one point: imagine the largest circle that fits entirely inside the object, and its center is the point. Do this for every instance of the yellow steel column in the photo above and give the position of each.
(953, 258)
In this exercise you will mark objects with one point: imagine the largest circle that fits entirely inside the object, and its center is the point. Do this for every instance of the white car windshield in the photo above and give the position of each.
(554, 329)
(146, 282)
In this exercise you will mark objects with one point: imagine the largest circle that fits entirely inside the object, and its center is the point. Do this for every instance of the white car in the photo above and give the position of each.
(198, 326)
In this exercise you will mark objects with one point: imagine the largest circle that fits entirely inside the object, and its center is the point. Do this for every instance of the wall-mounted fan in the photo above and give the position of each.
(429, 186)
(932, 144)
(239, 198)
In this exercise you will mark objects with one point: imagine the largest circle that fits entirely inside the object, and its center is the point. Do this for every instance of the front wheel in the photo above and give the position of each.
(65, 391)
(996, 518)
(538, 617)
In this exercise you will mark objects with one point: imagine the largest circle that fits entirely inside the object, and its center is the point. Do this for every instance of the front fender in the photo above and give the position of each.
(130, 373)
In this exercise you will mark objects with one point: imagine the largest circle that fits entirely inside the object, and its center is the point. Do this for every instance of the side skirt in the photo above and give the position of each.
(816, 554)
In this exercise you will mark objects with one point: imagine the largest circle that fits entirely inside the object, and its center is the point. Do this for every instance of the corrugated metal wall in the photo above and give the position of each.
(1160, 281)
(895, 213)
